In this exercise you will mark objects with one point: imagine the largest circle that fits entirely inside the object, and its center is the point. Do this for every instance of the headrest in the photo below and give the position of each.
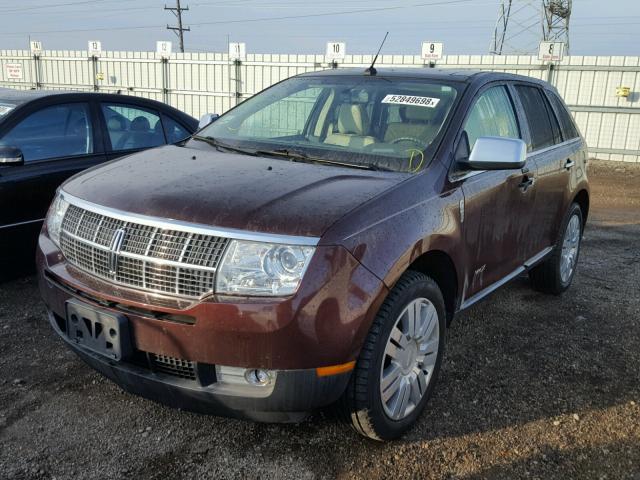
(115, 124)
(140, 124)
(417, 114)
(352, 119)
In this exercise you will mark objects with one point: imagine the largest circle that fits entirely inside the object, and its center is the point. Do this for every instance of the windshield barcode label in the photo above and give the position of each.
(411, 100)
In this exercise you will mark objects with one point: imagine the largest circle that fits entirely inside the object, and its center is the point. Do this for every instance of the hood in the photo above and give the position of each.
(231, 190)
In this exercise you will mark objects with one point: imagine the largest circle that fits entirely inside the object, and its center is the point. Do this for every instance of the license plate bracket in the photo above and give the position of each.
(99, 331)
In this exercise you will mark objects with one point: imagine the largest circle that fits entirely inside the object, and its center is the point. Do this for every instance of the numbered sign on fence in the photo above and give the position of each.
(163, 49)
(432, 51)
(336, 51)
(95, 48)
(551, 51)
(237, 51)
(36, 47)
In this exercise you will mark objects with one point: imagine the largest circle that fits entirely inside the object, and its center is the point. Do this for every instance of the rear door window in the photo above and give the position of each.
(492, 116)
(132, 127)
(569, 130)
(173, 130)
(53, 132)
(543, 125)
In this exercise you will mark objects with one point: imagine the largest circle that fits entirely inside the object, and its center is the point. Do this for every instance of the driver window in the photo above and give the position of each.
(492, 116)
(53, 132)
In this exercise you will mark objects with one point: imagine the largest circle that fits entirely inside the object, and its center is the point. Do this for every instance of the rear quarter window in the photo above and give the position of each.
(567, 126)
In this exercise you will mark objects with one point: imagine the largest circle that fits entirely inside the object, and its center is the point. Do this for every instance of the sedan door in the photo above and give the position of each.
(57, 141)
(498, 204)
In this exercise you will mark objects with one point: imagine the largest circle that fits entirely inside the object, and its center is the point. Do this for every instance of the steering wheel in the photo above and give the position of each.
(409, 139)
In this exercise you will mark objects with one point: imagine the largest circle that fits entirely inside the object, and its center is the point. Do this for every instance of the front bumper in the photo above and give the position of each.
(293, 394)
(324, 324)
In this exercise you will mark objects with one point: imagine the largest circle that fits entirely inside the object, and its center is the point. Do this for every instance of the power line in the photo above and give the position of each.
(179, 30)
(54, 5)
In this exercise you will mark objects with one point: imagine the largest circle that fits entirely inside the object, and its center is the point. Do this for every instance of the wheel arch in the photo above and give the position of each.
(438, 265)
(582, 199)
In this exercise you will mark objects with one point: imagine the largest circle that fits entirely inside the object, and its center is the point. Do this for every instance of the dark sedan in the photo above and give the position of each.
(46, 137)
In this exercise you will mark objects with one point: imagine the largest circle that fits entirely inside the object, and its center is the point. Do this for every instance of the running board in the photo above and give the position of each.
(533, 261)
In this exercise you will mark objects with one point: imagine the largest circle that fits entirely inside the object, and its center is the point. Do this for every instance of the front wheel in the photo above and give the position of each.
(400, 360)
(555, 274)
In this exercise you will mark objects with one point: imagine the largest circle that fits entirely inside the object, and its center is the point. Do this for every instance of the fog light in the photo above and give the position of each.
(257, 377)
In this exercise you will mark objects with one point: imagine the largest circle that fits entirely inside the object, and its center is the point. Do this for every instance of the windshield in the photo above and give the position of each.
(381, 122)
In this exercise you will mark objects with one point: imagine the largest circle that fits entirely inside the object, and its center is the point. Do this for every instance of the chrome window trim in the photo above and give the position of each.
(196, 228)
(21, 223)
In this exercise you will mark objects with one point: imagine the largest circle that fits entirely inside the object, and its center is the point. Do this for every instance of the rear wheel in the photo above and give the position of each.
(555, 274)
(399, 363)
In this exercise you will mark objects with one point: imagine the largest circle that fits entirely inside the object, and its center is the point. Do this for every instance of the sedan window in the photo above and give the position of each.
(132, 127)
(53, 132)
(173, 130)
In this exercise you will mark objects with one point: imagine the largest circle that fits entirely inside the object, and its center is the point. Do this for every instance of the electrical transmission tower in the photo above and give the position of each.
(523, 24)
(179, 30)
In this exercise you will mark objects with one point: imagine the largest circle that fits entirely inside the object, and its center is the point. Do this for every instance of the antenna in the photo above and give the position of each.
(372, 70)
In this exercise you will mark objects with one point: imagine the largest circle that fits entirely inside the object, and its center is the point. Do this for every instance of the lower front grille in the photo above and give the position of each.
(176, 367)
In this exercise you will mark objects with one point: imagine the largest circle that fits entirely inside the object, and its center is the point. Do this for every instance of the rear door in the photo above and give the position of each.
(57, 141)
(552, 157)
(498, 204)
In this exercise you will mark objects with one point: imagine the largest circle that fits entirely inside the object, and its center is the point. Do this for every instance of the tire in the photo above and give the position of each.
(551, 276)
(362, 403)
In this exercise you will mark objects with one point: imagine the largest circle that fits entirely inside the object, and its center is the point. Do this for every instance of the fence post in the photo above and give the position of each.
(36, 71)
(238, 80)
(550, 75)
(164, 61)
(94, 72)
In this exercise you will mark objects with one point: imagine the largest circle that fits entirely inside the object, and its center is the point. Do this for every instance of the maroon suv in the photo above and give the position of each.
(312, 244)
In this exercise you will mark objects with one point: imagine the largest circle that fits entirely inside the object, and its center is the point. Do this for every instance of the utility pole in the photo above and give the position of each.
(179, 30)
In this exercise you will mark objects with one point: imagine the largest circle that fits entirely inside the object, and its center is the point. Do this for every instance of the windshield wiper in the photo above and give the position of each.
(298, 156)
(221, 146)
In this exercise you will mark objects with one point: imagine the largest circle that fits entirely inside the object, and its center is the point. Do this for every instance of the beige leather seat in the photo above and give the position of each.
(352, 127)
(416, 123)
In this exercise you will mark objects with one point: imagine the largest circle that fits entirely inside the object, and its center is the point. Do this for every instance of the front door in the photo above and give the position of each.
(56, 141)
(498, 205)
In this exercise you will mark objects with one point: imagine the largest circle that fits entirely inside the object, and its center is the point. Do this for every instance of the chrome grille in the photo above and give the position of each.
(154, 259)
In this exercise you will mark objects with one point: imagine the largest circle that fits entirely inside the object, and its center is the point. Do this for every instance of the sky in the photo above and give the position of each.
(302, 26)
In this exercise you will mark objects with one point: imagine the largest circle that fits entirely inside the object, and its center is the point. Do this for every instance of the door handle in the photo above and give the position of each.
(569, 163)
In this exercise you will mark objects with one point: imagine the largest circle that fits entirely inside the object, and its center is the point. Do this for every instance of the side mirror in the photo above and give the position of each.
(11, 156)
(497, 153)
(206, 119)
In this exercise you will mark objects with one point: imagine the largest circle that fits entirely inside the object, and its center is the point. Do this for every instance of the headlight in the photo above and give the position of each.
(262, 269)
(54, 218)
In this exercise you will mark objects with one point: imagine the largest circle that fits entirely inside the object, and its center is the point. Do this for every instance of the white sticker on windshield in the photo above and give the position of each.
(4, 109)
(429, 102)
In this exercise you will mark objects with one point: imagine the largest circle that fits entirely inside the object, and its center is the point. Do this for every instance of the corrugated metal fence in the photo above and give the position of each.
(208, 82)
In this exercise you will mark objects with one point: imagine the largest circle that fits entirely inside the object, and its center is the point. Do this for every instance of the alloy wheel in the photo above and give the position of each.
(409, 358)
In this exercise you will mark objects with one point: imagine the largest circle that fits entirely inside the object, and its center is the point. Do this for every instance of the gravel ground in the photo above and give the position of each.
(533, 386)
